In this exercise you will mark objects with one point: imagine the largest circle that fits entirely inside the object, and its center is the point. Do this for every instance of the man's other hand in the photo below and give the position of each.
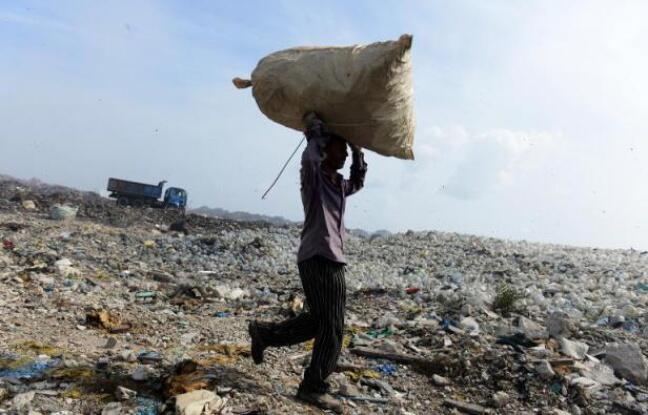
(355, 148)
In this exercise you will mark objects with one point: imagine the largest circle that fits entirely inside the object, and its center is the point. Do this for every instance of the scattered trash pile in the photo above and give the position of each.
(137, 311)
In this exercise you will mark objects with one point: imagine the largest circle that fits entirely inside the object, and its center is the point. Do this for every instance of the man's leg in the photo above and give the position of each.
(325, 289)
(286, 333)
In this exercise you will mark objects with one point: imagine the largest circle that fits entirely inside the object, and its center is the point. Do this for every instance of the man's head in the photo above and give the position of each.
(336, 152)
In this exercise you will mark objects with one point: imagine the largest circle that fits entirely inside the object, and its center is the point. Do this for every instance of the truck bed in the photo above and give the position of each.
(135, 189)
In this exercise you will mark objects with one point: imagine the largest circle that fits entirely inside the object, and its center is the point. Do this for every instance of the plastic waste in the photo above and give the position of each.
(30, 369)
(386, 368)
(63, 212)
(147, 406)
(198, 402)
(149, 356)
(141, 295)
(380, 333)
(517, 341)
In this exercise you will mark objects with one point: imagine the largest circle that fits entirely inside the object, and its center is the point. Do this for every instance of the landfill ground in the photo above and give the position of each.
(111, 312)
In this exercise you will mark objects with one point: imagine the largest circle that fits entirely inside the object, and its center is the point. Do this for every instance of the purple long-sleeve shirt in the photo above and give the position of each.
(324, 201)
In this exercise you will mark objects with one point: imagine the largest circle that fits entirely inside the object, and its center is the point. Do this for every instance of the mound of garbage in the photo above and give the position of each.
(116, 310)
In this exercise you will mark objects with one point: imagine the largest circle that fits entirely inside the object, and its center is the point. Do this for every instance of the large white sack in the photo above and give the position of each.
(363, 93)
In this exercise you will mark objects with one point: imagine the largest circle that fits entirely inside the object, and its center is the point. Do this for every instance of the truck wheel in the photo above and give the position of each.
(122, 201)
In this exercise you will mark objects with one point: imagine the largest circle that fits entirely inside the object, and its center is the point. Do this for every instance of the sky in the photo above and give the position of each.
(531, 116)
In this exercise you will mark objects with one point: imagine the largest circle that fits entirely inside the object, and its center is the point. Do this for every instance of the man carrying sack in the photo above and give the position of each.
(365, 93)
(321, 262)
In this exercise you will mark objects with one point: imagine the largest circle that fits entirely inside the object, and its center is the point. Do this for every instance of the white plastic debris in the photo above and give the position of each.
(439, 380)
(63, 212)
(199, 402)
(124, 394)
(470, 325)
(22, 402)
(573, 348)
(558, 324)
(600, 372)
(113, 408)
(544, 369)
(65, 268)
(627, 360)
(500, 399)
(142, 373)
(28, 204)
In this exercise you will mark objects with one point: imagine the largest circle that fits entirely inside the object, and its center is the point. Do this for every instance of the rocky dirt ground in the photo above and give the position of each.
(118, 310)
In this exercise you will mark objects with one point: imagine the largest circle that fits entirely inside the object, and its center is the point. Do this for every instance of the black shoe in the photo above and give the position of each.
(257, 344)
(322, 400)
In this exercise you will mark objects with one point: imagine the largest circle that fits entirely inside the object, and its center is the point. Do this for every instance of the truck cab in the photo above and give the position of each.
(175, 197)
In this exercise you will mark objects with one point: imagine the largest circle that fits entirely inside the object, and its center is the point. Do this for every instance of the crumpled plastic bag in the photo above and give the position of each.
(63, 212)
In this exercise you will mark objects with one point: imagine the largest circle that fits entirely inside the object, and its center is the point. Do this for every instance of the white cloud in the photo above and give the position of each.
(470, 164)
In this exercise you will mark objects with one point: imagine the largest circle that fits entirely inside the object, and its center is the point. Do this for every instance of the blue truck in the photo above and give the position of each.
(130, 193)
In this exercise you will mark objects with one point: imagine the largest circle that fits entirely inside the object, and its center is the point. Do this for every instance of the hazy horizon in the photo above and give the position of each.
(530, 116)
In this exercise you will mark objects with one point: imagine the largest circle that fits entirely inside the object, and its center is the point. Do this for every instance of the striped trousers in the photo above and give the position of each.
(325, 289)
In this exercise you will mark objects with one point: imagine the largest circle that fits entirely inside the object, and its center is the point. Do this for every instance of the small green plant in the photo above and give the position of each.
(505, 301)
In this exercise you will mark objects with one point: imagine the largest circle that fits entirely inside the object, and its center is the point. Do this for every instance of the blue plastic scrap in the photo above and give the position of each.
(386, 368)
(446, 323)
(147, 406)
(631, 326)
(31, 370)
(603, 321)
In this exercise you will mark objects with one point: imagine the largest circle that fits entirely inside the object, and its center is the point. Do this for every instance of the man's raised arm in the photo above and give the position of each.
(313, 154)
(358, 171)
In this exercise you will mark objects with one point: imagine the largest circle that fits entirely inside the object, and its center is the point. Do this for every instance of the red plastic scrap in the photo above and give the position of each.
(7, 244)
(412, 290)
